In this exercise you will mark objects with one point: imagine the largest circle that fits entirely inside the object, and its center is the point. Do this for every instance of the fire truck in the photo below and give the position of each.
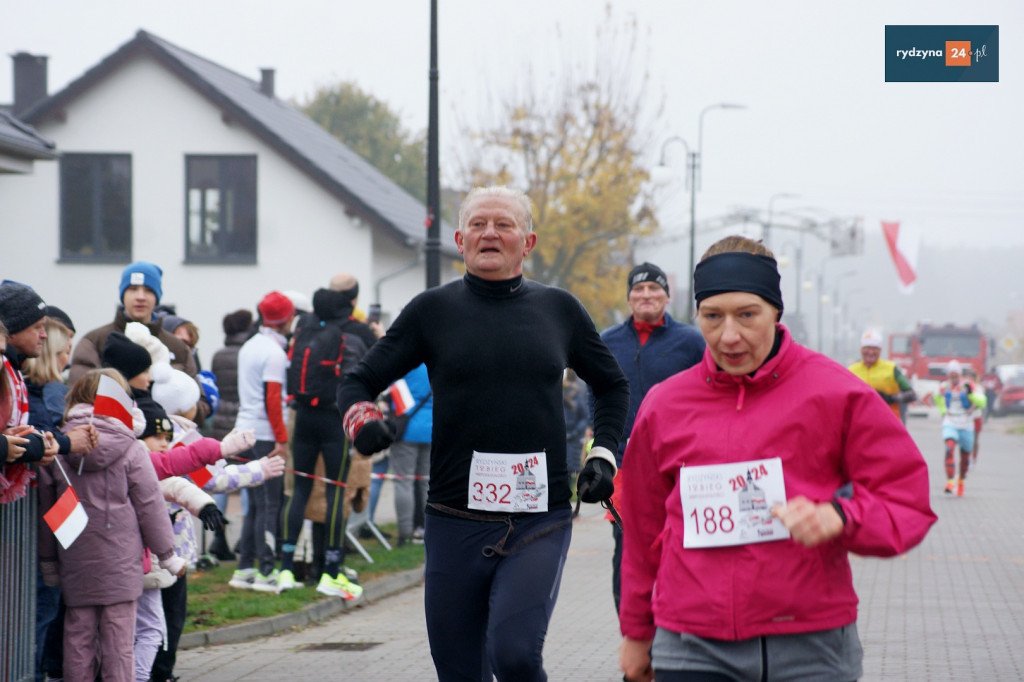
(923, 354)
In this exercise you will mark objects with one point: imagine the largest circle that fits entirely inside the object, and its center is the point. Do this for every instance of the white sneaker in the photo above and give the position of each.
(266, 583)
(285, 581)
(243, 578)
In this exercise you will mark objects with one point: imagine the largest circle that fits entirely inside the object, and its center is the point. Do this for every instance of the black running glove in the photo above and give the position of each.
(211, 517)
(595, 481)
(374, 436)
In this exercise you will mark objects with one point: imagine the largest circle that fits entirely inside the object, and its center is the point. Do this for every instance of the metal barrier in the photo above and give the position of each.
(18, 588)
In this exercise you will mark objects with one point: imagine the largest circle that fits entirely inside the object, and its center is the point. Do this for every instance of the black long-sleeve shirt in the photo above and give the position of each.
(495, 352)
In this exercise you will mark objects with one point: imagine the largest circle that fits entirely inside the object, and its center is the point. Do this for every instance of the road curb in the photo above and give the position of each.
(314, 613)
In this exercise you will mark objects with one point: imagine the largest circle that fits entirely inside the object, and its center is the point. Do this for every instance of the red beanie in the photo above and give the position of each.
(276, 309)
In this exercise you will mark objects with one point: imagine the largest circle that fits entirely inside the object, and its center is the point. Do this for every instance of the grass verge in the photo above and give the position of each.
(213, 604)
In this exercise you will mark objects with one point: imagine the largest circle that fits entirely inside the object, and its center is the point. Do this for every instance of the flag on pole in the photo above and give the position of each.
(67, 518)
(401, 396)
(112, 401)
(904, 246)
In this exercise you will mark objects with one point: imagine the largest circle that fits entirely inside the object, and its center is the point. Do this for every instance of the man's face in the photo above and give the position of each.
(739, 329)
(870, 355)
(647, 300)
(29, 341)
(493, 242)
(139, 302)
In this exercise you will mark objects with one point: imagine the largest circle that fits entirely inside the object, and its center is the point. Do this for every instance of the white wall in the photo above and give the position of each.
(143, 110)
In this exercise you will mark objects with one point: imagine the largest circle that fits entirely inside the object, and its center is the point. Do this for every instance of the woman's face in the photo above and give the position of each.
(64, 356)
(739, 329)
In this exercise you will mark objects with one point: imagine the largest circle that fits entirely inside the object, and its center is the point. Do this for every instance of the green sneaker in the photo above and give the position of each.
(243, 578)
(266, 583)
(285, 581)
(339, 587)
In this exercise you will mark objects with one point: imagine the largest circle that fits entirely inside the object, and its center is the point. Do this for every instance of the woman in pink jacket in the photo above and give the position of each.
(752, 475)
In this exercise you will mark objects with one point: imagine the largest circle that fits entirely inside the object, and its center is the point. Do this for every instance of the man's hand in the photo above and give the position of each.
(635, 660)
(373, 437)
(83, 438)
(808, 523)
(365, 426)
(890, 399)
(595, 481)
(280, 450)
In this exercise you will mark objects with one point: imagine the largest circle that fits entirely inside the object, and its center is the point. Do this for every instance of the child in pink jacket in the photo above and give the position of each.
(100, 573)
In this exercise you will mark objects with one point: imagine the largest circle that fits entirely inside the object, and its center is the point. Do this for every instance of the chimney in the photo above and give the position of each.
(267, 82)
(29, 81)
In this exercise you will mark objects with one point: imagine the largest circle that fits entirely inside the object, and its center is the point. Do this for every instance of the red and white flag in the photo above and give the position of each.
(401, 396)
(67, 518)
(200, 476)
(904, 246)
(112, 401)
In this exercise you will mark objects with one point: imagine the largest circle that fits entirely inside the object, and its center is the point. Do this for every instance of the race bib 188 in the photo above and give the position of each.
(510, 483)
(730, 504)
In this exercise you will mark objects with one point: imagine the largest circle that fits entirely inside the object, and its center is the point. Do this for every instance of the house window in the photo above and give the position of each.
(96, 207)
(220, 209)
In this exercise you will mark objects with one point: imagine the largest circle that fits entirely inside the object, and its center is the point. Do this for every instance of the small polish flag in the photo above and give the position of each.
(904, 246)
(401, 396)
(67, 518)
(112, 401)
(201, 476)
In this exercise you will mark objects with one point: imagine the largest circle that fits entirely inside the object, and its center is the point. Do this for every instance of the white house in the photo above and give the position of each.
(170, 158)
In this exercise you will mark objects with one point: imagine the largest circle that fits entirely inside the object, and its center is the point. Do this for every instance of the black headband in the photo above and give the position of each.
(738, 271)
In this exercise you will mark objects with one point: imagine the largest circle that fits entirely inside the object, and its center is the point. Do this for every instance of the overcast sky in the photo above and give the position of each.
(821, 122)
(946, 159)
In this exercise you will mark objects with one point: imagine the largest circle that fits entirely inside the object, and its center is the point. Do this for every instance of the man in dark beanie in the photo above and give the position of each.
(650, 347)
(140, 290)
(23, 312)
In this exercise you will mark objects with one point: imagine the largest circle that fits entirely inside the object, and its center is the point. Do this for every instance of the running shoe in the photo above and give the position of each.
(339, 587)
(243, 578)
(285, 581)
(950, 486)
(266, 583)
(351, 574)
(960, 488)
(417, 536)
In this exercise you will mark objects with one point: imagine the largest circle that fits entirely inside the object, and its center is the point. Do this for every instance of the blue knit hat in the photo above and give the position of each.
(146, 274)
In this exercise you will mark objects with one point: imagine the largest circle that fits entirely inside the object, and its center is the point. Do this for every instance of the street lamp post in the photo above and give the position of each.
(695, 161)
(766, 234)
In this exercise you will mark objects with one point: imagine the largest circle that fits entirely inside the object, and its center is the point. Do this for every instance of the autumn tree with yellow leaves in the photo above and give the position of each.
(578, 156)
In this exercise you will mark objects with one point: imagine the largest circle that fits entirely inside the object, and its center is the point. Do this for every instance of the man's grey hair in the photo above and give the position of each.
(523, 202)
